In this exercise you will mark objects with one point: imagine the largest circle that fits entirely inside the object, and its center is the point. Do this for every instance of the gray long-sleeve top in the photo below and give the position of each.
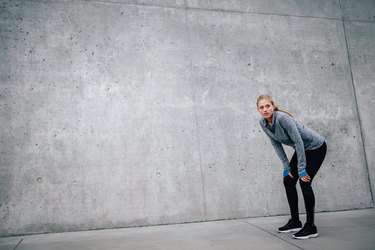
(286, 130)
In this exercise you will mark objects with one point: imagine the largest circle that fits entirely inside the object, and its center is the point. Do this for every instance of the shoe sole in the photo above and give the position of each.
(290, 230)
(306, 237)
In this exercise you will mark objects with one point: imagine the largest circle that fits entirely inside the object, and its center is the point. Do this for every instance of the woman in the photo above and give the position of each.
(310, 150)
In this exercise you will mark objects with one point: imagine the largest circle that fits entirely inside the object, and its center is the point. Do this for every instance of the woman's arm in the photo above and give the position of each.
(290, 127)
(281, 154)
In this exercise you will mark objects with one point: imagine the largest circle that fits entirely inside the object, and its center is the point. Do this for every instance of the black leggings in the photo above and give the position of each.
(314, 159)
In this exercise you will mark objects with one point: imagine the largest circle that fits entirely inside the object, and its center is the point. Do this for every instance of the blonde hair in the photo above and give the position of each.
(270, 99)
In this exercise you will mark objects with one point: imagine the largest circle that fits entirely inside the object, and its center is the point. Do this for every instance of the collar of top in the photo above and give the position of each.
(264, 121)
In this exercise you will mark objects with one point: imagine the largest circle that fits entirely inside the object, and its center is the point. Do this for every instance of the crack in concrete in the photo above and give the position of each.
(18, 244)
(274, 235)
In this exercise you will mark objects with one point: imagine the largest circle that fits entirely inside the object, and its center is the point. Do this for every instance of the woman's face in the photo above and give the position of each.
(265, 108)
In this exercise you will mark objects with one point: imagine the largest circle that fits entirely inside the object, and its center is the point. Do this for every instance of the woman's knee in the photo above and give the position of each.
(305, 187)
(289, 181)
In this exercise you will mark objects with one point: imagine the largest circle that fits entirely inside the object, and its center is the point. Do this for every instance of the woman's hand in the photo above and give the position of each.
(306, 178)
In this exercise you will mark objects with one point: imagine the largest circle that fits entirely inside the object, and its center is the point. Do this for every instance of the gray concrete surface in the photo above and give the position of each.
(338, 230)
(361, 37)
(135, 113)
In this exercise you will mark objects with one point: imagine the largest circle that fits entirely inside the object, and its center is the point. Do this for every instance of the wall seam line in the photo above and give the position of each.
(195, 113)
(356, 105)
(229, 11)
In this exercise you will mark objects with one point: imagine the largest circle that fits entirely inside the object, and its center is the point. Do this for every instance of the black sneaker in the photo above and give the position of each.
(291, 226)
(308, 231)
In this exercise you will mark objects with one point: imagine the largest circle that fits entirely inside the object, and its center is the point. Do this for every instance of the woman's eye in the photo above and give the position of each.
(267, 106)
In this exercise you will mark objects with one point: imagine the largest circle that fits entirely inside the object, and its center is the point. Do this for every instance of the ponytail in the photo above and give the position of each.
(286, 112)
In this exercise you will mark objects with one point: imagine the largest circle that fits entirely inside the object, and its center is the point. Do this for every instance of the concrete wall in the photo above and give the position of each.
(131, 113)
